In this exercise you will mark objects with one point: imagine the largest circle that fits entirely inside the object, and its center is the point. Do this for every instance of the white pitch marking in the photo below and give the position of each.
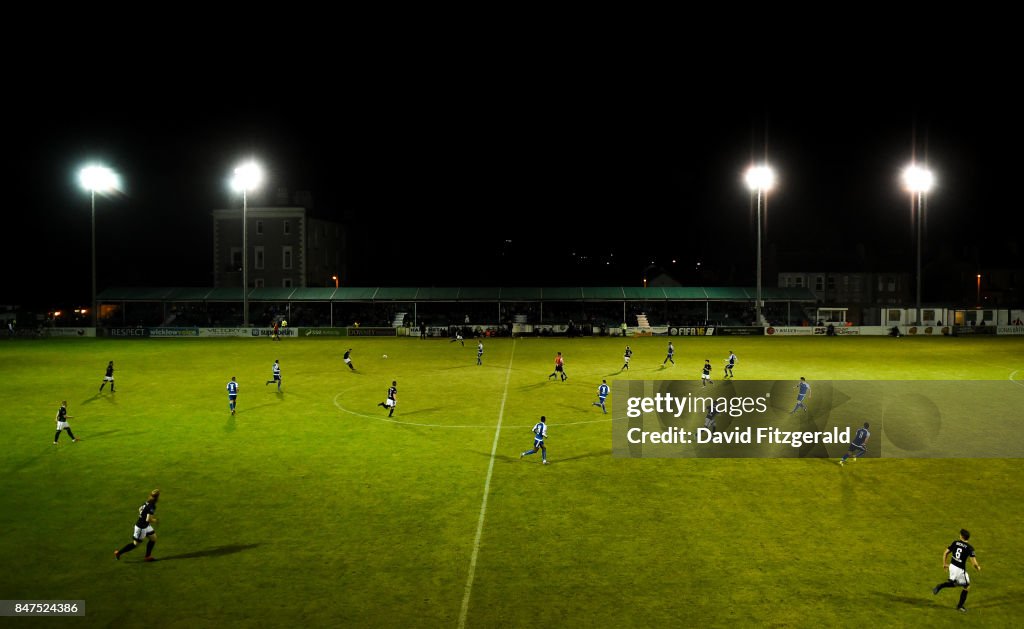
(483, 503)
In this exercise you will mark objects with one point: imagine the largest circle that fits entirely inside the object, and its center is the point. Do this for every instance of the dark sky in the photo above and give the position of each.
(434, 176)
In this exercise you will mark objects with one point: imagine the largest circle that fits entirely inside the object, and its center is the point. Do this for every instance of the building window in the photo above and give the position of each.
(257, 283)
(259, 258)
(831, 283)
(287, 227)
(286, 257)
(819, 283)
(286, 282)
(798, 281)
(890, 283)
(259, 228)
(894, 315)
(236, 258)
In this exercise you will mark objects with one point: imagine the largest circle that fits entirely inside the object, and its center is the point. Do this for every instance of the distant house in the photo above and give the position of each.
(287, 248)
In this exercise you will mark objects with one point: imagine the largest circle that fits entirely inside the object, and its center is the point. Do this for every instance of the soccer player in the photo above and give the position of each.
(602, 393)
(730, 362)
(859, 445)
(559, 368)
(705, 377)
(275, 334)
(709, 419)
(392, 400)
(232, 394)
(958, 552)
(458, 338)
(143, 528)
(348, 359)
(109, 377)
(803, 391)
(625, 358)
(276, 375)
(670, 355)
(62, 423)
(480, 352)
(540, 433)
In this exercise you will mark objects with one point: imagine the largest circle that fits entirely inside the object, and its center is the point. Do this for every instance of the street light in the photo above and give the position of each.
(335, 278)
(247, 177)
(918, 181)
(977, 298)
(96, 179)
(759, 179)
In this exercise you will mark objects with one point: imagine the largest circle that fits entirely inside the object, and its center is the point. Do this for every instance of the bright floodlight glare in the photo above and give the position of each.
(98, 179)
(247, 177)
(760, 178)
(918, 179)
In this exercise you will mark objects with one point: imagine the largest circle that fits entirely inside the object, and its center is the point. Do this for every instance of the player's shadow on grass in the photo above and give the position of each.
(230, 426)
(108, 398)
(93, 435)
(219, 551)
(914, 601)
(588, 455)
(422, 410)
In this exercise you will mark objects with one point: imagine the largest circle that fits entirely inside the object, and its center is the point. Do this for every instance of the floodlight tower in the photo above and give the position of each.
(247, 177)
(96, 179)
(760, 179)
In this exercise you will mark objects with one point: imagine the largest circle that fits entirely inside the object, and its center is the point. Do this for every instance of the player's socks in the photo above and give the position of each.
(963, 599)
(149, 547)
(70, 434)
(126, 548)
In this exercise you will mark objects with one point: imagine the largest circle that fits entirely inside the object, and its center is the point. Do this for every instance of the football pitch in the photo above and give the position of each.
(310, 507)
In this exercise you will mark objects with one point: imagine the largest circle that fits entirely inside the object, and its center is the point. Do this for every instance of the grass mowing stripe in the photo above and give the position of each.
(487, 489)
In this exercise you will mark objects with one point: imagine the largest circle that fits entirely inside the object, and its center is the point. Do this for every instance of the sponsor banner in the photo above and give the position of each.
(270, 332)
(1010, 330)
(789, 331)
(768, 419)
(322, 332)
(128, 333)
(223, 332)
(55, 332)
(173, 332)
(691, 331)
(735, 330)
(372, 332)
(925, 330)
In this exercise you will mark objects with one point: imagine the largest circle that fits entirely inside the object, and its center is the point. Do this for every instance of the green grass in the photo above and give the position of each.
(307, 509)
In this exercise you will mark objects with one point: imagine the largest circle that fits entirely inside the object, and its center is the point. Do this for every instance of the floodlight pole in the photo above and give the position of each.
(245, 261)
(92, 194)
(757, 304)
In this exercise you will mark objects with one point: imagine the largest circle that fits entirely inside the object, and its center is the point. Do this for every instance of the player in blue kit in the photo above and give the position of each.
(858, 446)
(730, 362)
(232, 394)
(480, 352)
(540, 433)
(803, 391)
(276, 375)
(602, 394)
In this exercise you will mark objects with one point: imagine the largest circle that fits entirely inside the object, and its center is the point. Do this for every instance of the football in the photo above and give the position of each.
(284, 324)
(384, 356)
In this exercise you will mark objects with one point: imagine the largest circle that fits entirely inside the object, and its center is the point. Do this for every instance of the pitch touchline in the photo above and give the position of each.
(483, 503)
(395, 421)
(1012, 374)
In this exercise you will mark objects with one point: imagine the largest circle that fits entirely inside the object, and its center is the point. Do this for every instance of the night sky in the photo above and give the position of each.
(448, 183)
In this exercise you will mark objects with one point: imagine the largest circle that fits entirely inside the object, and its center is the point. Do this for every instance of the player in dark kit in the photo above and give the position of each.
(958, 552)
(625, 358)
(730, 362)
(348, 359)
(109, 377)
(859, 445)
(392, 400)
(143, 528)
(670, 356)
(705, 376)
(62, 423)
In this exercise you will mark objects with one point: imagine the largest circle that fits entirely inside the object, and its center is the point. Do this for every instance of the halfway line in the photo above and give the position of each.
(483, 503)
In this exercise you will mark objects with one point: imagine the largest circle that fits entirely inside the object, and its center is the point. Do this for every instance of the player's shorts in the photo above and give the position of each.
(140, 534)
(625, 359)
(108, 378)
(62, 425)
(276, 378)
(348, 361)
(389, 403)
(539, 443)
(800, 398)
(558, 368)
(232, 398)
(858, 447)
(958, 576)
